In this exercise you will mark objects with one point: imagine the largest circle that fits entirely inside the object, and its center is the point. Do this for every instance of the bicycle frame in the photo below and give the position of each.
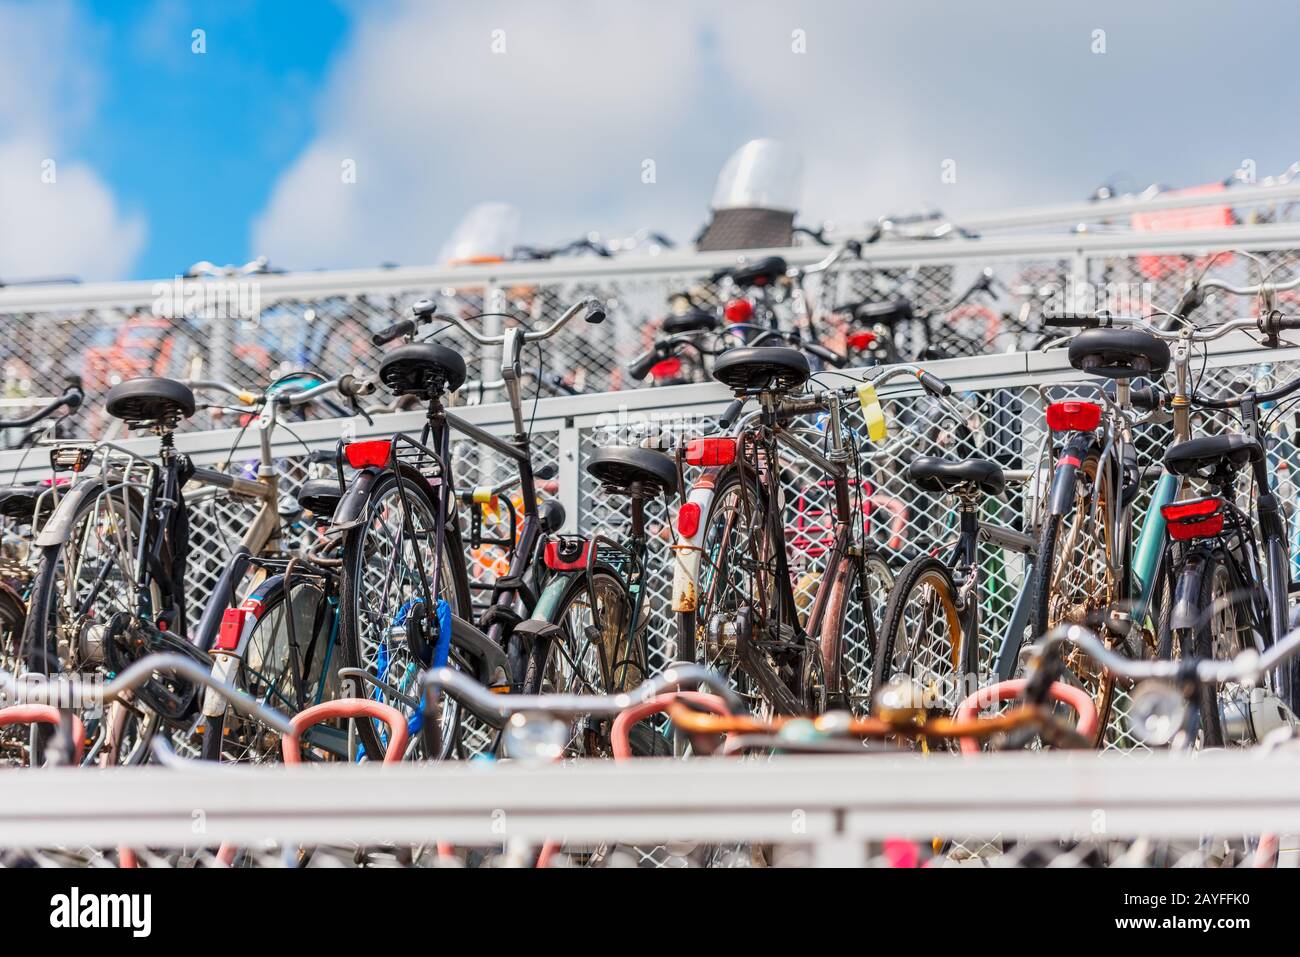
(968, 574)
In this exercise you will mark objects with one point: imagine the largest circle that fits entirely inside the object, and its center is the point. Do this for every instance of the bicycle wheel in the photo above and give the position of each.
(595, 653)
(878, 583)
(80, 586)
(1221, 632)
(381, 579)
(922, 636)
(848, 639)
(13, 618)
(287, 665)
(1074, 582)
(736, 581)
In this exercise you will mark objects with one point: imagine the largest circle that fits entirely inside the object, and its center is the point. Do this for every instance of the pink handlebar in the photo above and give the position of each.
(349, 708)
(1076, 698)
(44, 714)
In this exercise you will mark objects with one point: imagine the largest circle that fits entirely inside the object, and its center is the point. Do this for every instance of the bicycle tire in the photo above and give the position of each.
(40, 642)
(607, 677)
(920, 573)
(353, 585)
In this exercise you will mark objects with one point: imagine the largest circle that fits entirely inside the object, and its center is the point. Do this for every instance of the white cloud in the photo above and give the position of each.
(560, 123)
(882, 97)
(72, 225)
(436, 121)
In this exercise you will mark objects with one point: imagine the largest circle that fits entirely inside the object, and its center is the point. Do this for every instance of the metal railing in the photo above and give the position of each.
(1055, 809)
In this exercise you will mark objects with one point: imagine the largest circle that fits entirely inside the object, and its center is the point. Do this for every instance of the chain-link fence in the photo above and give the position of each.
(252, 329)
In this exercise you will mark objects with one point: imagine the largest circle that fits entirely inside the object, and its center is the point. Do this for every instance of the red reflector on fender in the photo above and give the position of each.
(1198, 518)
(711, 451)
(666, 367)
(738, 310)
(564, 557)
(688, 520)
(1073, 416)
(232, 628)
(374, 452)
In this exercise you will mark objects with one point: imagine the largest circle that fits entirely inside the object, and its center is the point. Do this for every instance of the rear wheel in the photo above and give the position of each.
(1222, 631)
(595, 654)
(922, 639)
(379, 585)
(1075, 582)
(848, 641)
(736, 580)
(286, 668)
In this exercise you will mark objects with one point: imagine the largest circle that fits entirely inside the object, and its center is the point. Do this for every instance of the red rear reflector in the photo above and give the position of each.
(561, 559)
(738, 310)
(666, 368)
(1198, 518)
(688, 520)
(711, 451)
(374, 452)
(232, 628)
(1073, 416)
(861, 340)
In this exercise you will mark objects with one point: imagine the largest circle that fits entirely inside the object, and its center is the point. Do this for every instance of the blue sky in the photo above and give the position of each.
(165, 157)
(195, 141)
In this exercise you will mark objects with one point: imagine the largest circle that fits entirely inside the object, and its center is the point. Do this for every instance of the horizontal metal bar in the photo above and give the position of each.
(424, 279)
(974, 373)
(1028, 796)
(1089, 212)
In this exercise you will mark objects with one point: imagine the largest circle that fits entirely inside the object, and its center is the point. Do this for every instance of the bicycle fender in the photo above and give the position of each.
(485, 655)
(1076, 449)
(686, 549)
(549, 600)
(59, 527)
(1187, 612)
(352, 506)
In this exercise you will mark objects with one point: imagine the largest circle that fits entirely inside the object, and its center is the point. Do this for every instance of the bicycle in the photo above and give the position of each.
(110, 582)
(1140, 582)
(405, 598)
(733, 597)
(932, 625)
(588, 628)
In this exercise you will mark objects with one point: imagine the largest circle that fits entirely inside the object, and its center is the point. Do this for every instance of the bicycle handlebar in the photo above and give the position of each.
(480, 699)
(426, 311)
(346, 385)
(1247, 666)
(72, 397)
(57, 690)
